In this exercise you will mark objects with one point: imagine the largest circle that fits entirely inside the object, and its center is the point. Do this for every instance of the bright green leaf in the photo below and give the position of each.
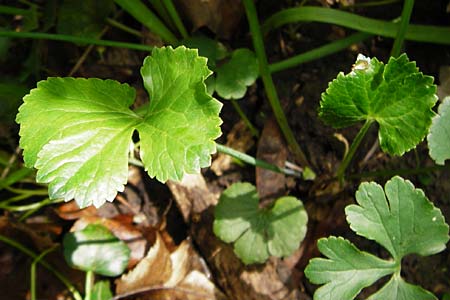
(96, 249)
(236, 75)
(259, 233)
(83, 18)
(346, 271)
(405, 223)
(398, 289)
(396, 95)
(439, 136)
(77, 132)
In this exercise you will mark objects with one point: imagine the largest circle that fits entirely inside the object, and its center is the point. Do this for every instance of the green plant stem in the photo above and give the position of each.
(88, 285)
(318, 52)
(419, 33)
(10, 10)
(403, 27)
(175, 17)
(73, 39)
(123, 27)
(141, 13)
(269, 86)
(351, 152)
(244, 118)
(254, 161)
(33, 271)
(75, 293)
(162, 12)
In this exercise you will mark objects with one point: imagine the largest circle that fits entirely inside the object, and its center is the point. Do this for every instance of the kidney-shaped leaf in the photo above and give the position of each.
(236, 75)
(404, 223)
(96, 249)
(396, 95)
(77, 132)
(439, 136)
(258, 233)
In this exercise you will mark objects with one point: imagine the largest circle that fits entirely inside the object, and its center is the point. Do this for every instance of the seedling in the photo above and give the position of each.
(396, 96)
(96, 250)
(402, 220)
(257, 232)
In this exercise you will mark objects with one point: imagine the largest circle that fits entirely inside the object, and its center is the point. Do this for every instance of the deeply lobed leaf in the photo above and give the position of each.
(77, 132)
(396, 95)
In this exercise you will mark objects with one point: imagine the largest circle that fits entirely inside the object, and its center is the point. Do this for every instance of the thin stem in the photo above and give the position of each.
(419, 33)
(76, 294)
(318, 52)
(123, 27)
(162, 12)
(351, 152)
(73, 39)
(254, 161)
(244, 118)
(88, 285)
(403, 27)
(175, 17)
(33, 271)
(269, 86)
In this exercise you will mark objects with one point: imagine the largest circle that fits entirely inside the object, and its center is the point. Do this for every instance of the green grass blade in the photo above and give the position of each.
(175, 17)
(419, 33)
(144, 15)
(404, 22)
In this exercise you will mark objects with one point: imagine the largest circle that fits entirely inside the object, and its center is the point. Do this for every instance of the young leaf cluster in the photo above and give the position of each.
(402, 220)
(77, 132)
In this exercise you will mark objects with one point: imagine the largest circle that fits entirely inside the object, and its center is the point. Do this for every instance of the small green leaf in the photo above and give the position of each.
(439, 136)
(83, 18)
(346, 271)
(96, 249)
(236, 75)
(407, 222)
(77, 132)
(209, 48)
(396, 95)
(259, 233)
(398, 289)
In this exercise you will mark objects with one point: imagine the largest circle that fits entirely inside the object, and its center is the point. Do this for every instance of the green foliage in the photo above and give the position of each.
(96, 249)
(209, 48)
(77, 132)
(258, 233)
(439, 136)
(402, 220)
(234, 76)
(396, 95)
(11, 94)
(83, 18)
(101, 291)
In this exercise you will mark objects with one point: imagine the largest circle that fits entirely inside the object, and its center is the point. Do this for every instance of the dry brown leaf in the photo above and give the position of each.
(271, 148)
(153, 270)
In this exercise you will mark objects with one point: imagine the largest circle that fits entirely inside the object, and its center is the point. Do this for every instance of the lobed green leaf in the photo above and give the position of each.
(396, 95)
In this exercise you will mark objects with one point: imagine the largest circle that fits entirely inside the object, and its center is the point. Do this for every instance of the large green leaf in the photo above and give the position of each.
(439, 136)
(401, 219)
(258, 233)
(346, 271)
(77, 132)
(96, 249)
(404, 223)
(236, 75)
(395, 95)
(83, 18)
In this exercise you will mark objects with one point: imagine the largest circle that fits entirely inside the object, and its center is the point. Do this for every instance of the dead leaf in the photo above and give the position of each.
(221, 16)
(271, 148)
